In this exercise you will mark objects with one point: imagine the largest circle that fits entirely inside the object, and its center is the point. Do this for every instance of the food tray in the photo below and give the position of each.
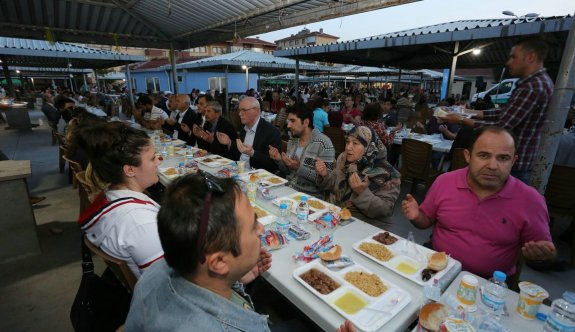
(214, 161)
(265, 178)
(377, 310)
(164, 170)
(406, 258)
(175, 141)
(267, 219)
(314, 211)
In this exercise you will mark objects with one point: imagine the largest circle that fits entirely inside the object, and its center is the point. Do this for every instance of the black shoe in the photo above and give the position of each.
(36, 199)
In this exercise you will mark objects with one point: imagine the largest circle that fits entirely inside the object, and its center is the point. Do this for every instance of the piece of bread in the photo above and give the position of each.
(432, 315)
(345, 214)
(332, 254)
(438, 261)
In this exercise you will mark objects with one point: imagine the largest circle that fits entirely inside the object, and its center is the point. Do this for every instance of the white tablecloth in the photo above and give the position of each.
(280, 274)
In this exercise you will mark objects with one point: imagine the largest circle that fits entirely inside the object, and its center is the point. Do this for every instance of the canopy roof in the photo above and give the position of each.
(258, 61)
(159, 24)
(433, 46)
(18, 52)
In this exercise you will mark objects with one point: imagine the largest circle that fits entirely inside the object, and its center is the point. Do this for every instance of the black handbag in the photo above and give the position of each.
(102, 303)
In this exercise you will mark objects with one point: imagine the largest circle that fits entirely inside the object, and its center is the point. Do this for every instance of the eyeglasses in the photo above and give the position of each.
(212, 186)
(247, 109)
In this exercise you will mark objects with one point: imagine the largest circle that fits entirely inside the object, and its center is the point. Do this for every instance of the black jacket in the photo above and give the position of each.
(190, 118)
(223, 126)
(266, 135)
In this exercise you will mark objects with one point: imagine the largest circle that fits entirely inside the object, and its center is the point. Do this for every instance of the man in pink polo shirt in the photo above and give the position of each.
(482, 215)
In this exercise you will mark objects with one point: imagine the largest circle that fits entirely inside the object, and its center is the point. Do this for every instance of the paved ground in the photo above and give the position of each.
(36, 292)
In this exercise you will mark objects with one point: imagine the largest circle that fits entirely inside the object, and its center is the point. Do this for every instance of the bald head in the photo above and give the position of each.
(249, 111)
(179, 102)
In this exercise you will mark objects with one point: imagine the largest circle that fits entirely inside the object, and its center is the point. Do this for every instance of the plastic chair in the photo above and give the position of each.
(85, 191)
(337, 137)
(458, 159)
(117, 266)
(416, 163)
(560, 197)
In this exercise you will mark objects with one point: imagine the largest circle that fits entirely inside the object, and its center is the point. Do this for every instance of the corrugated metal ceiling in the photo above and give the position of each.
(159, 23)
(433, 46)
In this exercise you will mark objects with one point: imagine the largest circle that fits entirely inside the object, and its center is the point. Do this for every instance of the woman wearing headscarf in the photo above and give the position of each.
(363, 180)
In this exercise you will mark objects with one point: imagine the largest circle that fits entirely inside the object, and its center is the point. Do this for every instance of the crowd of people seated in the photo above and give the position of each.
(194, 251)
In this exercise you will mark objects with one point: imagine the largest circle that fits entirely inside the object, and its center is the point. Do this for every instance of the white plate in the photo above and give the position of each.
(161, 173)
(413, 255)
(214, 161)
(314, 212)
(369, 317)
(266, 221)
(263, 178)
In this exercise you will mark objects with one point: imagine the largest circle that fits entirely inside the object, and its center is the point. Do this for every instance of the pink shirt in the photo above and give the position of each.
(484, 235)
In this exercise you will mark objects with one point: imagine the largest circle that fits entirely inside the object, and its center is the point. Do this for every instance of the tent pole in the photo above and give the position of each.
(296, 78)
(555, 117)
(8, 77)
(173, 63)
(129, 85)
(227, 106)
(452, 70)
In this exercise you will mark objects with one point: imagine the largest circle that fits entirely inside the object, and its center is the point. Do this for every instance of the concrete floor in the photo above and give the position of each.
(36, 292)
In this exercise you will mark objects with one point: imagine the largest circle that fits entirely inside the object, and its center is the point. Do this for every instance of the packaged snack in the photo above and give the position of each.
(273, 240)
(298, 233)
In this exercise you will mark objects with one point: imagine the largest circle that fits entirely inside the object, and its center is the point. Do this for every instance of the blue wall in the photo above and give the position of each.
(198, 80)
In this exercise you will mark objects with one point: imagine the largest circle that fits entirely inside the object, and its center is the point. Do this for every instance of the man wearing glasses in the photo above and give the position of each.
(255, 138)
(211, 239)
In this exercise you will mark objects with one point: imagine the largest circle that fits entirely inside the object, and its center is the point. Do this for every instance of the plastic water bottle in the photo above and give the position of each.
(302, 210)
(282, 223)
(164, 151)
(252, 190)
(561, 318)
(181, 168)
(493, 295)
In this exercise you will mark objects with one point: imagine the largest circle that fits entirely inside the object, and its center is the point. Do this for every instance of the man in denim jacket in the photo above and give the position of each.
(207, 250)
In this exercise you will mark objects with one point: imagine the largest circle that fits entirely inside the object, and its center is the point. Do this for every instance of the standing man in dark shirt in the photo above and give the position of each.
(524, 113)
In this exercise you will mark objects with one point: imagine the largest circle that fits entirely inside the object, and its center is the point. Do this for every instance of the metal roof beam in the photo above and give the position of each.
(255, 13)
(145, 22)
(322, 13)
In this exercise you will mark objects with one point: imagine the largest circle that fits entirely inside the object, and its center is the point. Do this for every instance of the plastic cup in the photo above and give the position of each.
(530, 298)
(241, 166)
(467, 292)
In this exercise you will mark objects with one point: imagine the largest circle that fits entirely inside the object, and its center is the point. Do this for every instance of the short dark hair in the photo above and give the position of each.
(180, 216)
(208, 97)
(144, 100)
(535, 44)
(491, 129)
(371, 112)
(61, 100)
(112, 145)
(302, 111)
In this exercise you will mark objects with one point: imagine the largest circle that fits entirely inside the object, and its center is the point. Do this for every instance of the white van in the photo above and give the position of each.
(499, 93)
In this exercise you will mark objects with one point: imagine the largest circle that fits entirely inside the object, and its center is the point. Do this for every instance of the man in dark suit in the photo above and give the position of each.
(184, 118)
(255, 137)
(203, 100)
(215, 123)
(51, 112)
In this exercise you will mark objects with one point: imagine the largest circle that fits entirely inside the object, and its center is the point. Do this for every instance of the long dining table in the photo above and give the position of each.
(280, 275)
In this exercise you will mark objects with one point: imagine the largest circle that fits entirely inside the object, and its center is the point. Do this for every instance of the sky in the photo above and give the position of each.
(423, 13)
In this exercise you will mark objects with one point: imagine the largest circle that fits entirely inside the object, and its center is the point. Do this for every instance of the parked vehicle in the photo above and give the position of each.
(499, 93)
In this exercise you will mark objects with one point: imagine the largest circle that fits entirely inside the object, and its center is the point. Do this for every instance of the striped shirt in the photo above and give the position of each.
(524, 115)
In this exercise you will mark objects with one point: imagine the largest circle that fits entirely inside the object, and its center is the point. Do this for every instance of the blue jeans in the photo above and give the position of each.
(524, 176)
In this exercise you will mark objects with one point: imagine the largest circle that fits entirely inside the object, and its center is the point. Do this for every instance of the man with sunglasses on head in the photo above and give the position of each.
(255, 138)
(211, 239)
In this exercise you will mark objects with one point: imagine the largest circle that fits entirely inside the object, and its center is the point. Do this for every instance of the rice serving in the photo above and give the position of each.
(378, 251)
(369, 283)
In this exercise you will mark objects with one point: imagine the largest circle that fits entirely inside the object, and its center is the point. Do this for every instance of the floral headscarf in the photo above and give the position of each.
(372, 164)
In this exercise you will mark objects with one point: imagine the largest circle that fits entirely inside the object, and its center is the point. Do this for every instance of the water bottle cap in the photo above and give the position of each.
(283, 206)
(304, 198)
(498, 275)
(569, 296)
(541, 316)
(181, 164)
(327, 217)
